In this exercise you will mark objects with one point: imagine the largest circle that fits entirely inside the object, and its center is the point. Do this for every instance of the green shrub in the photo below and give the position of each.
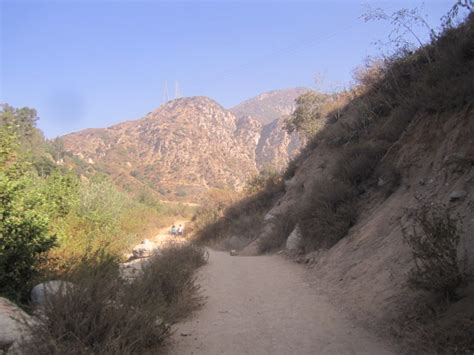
(311, 108)
(24, 238)
(24, 234)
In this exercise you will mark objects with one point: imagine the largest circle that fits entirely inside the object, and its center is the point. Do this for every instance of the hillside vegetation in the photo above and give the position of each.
(187, 146)
(387, 174)
(75, 225)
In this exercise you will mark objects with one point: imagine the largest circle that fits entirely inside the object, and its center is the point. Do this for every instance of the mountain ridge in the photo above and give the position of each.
(185, 147)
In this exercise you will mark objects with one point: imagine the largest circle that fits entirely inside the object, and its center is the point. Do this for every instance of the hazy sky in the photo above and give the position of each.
(94, 63)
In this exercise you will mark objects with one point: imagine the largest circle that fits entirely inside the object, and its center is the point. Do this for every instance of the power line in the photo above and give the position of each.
(293, 48)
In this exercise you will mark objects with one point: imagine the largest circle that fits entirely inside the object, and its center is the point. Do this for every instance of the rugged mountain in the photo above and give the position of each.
(183, 148)
(275, 146)
(269, 106)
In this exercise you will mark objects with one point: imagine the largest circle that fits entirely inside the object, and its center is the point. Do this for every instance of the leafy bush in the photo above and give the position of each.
(311, 108)
(434, 240)
(24, 238)
(24, 234)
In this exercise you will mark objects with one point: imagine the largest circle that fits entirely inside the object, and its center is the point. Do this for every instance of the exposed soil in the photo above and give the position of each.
(266, 305)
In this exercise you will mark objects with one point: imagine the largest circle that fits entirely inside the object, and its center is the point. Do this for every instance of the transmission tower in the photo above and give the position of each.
(165, 92)
(177, 94)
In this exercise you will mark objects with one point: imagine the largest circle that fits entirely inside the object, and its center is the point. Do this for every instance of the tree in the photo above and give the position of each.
(310, 109)
(24, 233)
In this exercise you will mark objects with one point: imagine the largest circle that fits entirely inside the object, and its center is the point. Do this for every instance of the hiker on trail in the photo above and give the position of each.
(180, 230)
(173, 230)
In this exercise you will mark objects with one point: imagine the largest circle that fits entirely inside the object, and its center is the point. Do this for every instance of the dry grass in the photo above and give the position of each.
(327, 214)
(358, 161)
(434, 241)
(103, 314)
(441, 319)
(428, 328)
(282, 227)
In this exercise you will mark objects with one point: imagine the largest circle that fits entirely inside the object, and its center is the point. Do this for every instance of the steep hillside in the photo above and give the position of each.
(393, 163)
(183, 148)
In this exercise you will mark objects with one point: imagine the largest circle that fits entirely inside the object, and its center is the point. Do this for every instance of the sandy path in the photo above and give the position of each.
(263, 305)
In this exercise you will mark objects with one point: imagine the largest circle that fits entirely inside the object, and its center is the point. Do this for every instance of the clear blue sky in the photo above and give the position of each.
(94, 63)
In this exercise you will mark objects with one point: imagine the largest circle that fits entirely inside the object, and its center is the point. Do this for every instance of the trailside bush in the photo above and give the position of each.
(24, 238)
(434, 240)
(358, 162)
(24, 234)
(105, 314)
(327, 214)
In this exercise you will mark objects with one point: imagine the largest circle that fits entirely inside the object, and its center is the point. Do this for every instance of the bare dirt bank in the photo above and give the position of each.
(265, 305)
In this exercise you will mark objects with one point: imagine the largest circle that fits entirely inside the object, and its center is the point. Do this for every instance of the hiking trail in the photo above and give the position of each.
(265, 305)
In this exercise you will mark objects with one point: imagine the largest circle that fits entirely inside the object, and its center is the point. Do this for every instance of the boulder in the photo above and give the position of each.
(295, 240)
(268, 217)
(14, 325)
(381, 182)
(233, 252)
(40, 292)
(143, 250)
(457, 195)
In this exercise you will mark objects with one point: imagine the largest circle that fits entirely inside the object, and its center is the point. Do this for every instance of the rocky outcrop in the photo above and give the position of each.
(269, 106)
(276, 146)
(143, 250)
(294, 243)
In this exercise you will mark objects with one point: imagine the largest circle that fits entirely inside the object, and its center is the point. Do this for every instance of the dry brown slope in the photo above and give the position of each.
(367, 270)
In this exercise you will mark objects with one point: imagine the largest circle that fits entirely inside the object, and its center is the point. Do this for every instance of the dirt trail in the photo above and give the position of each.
(130, 269)
(263, 305)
